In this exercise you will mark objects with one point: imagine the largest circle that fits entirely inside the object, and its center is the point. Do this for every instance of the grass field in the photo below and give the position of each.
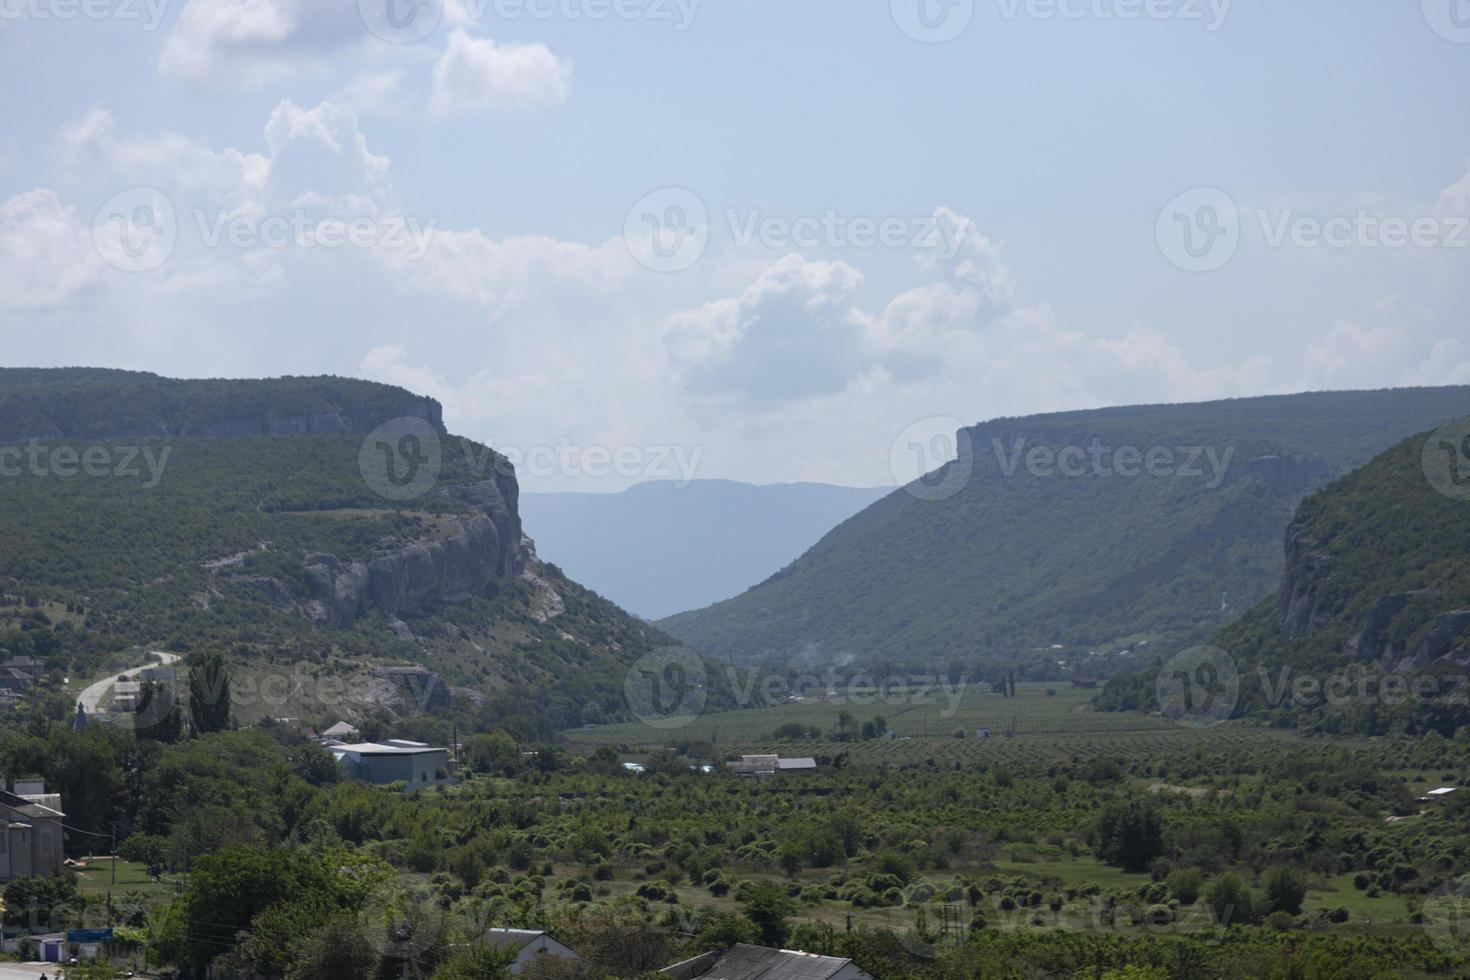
(96, 879)
(1043, 724)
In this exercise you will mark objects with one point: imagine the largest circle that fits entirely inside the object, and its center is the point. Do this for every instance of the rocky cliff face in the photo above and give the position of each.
(1297, 604)
(1373, 571)
(481, 558)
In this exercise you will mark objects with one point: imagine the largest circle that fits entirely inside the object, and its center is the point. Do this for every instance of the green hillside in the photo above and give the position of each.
(1020, 558)
(280, 550)
(1377, 596)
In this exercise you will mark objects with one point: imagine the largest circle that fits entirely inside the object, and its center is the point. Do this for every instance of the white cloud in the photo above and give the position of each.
(46, 255)
(476, 75)
(1454, 200)
(1448, 363)
(251, 42)
(1354, 353)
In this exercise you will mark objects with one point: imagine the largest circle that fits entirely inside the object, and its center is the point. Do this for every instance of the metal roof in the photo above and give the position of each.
(375, 748)
(745, 962)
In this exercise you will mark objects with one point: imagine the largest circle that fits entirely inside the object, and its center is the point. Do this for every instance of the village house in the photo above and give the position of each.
(745, 962)
(531, 943)
(340, 732)
(30, 831)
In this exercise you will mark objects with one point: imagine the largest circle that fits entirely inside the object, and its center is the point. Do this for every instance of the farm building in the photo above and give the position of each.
(393, 761)
(769, 765)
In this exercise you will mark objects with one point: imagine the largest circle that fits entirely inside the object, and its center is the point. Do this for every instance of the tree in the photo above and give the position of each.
(1184, 885)
(148, 850)
(1230, 900)
(1131, 835)
(41, 903)
(209, 693)
(768, 907)
(1286, 889)
(315, 765)
(157, 716)
(337, 949)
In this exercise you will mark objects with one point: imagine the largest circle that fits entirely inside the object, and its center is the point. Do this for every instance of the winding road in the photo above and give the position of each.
(91, 696)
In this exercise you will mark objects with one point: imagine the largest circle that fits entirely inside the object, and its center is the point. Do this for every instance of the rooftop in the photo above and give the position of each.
(745, 962)
(512, 938)
(383, 748)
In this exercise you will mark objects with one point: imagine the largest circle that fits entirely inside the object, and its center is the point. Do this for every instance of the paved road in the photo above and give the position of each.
(28, 971)
(91, 696)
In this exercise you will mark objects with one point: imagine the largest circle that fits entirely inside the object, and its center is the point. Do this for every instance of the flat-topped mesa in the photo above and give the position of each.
(88, 404)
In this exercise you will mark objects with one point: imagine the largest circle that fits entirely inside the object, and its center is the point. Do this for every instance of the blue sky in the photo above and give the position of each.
(1025, 166)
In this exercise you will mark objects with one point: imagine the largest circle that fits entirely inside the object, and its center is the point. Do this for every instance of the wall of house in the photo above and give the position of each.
(418, 767)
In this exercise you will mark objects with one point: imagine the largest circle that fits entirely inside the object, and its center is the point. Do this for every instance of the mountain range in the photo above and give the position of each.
(322, 528)
(662, 547)
(1090, 530)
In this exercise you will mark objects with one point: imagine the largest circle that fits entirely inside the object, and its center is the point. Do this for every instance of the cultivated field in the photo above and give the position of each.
(1041, 725)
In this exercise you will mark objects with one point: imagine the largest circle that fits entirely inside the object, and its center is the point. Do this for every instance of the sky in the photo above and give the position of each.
(765, 240)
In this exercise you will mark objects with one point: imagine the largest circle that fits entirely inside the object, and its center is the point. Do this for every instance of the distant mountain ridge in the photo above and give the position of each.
(997, 554)
(659, 548)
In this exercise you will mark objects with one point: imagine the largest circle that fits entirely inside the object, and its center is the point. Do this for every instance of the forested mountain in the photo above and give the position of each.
(83, 403)
(1370, 630)
(660, 548)
(254, 517)
(1082, 529)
